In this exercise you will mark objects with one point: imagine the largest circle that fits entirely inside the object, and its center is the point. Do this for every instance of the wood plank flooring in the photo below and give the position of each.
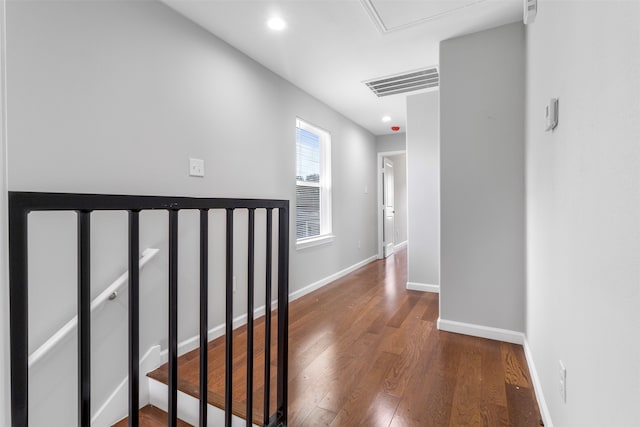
(150, 416)
(366, 351)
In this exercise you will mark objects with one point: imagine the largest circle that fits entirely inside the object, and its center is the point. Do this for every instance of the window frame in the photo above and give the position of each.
(326, 232)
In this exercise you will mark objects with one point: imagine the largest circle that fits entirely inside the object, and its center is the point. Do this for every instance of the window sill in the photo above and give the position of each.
(314, 241)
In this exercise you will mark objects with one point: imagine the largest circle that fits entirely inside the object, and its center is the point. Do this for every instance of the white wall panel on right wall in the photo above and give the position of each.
(482, 179)
(423, 191)
(583, 209)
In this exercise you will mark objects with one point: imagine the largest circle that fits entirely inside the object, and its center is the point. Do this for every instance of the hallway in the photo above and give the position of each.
(366, 351)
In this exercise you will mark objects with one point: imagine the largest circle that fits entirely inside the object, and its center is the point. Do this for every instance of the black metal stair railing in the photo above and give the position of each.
(22, 203)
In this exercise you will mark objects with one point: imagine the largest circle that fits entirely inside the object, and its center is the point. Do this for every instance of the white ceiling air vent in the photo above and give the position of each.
(406, 82)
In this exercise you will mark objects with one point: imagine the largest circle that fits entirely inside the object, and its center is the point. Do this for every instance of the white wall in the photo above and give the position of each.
(400, 196)
(482, 178)
(114, 97)
(391, 142)
(423, 190)
(583, 209)
(4, 287)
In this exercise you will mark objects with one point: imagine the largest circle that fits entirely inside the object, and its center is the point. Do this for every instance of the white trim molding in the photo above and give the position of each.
(323, 185)
(217, 331)
(380, 156)
(335, 276)
(400, 245)
(112, 408)
(188, 406)
(537, 385)
(505, 335)
(481, 331)
(115, 407)
(314, 241)
(423, 287)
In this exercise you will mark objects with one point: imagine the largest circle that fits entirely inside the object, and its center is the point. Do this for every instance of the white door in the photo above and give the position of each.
(389, 212)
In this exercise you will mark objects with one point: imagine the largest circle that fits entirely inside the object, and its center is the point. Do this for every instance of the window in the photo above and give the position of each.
(313, 185)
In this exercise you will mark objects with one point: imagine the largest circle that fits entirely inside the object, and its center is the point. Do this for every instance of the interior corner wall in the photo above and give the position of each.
(482, 178)
(391, 142)
(114, 97)
(583, 209)
(423, 208)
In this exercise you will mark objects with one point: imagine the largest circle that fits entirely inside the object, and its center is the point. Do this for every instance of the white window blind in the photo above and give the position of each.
(313, 215)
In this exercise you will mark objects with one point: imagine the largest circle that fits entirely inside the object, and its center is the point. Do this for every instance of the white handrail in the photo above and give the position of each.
(112, 289)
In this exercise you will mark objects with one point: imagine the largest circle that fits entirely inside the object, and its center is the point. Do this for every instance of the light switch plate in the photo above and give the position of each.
(196, 167)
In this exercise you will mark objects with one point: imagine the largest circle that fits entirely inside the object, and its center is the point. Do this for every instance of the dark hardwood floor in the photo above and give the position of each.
(366, 351)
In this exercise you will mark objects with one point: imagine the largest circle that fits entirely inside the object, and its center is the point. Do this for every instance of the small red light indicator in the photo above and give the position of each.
(395, 128)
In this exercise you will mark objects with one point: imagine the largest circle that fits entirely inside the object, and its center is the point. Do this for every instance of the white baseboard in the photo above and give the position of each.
(219, 330)
(423, 287)
(481, 331)
(112, 410)
(215, 332)
(537, 386)
(400, 245)
(507, 336)
(322, 282)
(115, 407)
(188, 407)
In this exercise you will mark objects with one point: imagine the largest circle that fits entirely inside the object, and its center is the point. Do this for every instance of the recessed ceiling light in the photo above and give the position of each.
(277, 24)
(386, 119)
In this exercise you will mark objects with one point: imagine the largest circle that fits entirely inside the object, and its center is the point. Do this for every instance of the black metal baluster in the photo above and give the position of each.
(173, 318)
(283, 311)
(134, 317)
(267, 319)
(21, 203)
(204, 309)
(84, 318)
(250, 296)
(228, 382)
(19, 315)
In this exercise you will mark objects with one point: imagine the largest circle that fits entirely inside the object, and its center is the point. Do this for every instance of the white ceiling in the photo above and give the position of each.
(331, 46)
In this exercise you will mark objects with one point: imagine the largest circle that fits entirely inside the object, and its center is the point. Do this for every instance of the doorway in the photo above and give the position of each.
(392, 202)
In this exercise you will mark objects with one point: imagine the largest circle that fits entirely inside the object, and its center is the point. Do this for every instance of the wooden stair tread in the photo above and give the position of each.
(150, 416)
(189, 369)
